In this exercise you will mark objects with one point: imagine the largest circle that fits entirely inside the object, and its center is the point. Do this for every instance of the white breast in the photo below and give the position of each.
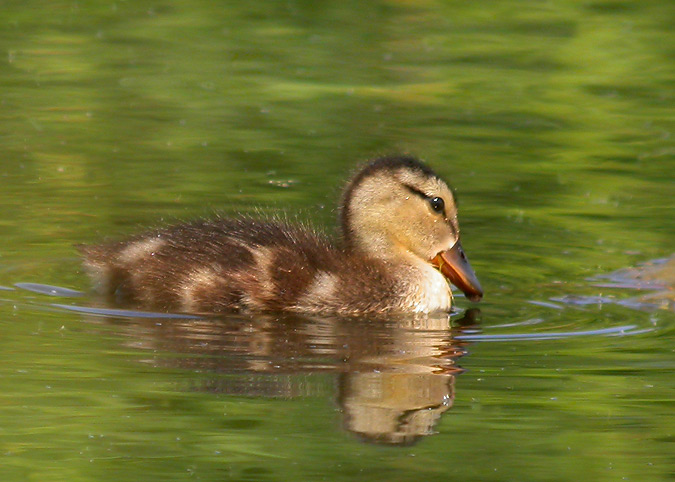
(432, 291)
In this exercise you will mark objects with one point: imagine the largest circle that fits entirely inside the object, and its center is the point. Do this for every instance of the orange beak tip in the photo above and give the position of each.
(455, 266)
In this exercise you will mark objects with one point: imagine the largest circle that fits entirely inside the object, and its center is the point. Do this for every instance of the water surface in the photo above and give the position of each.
(553, 122)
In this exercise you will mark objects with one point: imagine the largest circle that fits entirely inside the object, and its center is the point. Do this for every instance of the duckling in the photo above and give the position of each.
(399, 247)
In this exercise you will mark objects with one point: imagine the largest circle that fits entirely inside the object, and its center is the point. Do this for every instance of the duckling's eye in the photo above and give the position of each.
(437, 204)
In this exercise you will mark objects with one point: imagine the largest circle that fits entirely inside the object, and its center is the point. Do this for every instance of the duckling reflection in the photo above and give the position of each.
(394, 378)
(397, 395)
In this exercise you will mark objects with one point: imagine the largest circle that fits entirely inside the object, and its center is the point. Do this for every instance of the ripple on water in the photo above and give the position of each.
(119, 313)
(655, 277)
(49, 290)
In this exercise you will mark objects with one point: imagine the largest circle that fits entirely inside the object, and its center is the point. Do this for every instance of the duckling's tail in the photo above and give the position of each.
(97, 266)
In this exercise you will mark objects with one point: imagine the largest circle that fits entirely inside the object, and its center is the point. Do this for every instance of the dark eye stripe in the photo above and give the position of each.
(436, 203)
(416, 191)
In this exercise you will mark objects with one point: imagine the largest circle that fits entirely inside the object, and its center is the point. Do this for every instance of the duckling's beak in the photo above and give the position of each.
(455, 266)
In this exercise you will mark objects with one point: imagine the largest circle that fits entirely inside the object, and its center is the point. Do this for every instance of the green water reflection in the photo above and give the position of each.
(553, 121)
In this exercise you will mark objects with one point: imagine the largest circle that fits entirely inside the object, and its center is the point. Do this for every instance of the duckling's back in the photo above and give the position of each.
(213, 265)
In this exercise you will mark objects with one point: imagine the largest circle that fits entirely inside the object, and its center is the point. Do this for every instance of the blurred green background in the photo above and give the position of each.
(552, 120)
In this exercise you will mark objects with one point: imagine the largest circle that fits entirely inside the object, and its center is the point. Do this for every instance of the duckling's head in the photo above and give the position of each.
(396, 207)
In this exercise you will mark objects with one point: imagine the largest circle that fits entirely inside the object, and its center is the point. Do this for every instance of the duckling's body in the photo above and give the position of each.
(392, 241)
